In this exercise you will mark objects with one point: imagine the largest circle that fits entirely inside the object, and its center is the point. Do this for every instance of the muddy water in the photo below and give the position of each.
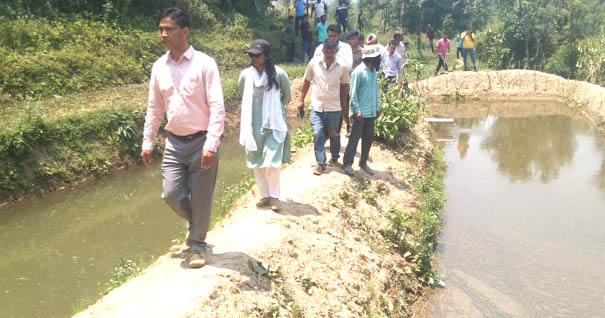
(524, 224)
(57, 252)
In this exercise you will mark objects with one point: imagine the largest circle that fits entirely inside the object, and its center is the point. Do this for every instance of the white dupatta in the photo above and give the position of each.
(273, 117)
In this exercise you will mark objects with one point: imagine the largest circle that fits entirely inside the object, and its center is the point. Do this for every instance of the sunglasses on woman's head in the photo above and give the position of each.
(254, 55)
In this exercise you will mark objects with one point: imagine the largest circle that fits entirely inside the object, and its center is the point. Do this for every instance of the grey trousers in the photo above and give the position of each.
(188, 188)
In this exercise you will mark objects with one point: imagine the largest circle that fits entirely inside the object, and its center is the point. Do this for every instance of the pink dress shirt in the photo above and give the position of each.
(443, 45)
(189, 91)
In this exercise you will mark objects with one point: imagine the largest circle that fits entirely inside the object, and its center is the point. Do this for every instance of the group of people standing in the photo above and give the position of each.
(185, 87)
(465, 45)
(299, 24)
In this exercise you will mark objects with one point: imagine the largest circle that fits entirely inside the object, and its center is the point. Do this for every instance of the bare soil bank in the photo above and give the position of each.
(513, 84)
(324, 251)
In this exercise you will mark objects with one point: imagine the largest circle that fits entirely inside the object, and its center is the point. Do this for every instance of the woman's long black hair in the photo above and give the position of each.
(270, 70)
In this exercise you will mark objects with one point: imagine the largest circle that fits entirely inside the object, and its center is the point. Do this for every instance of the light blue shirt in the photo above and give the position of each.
(363, 92)
(300, 8)
(322, 31)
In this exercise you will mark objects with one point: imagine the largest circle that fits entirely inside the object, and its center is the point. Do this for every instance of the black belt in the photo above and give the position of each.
(190, 137)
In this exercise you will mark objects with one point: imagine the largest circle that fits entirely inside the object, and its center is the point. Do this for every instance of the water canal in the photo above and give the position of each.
(524, 223)
(58, 251)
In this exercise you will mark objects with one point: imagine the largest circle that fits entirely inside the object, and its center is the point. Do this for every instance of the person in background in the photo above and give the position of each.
(320, 8)
(322, 30)
(407, 58)
(265, 89)
(289, 35)
(363, 108)
(401, 50)
(353, 41)
(407, 50)
(392, 63)
(307, 39)
(342, 16)
(468, 47)
(373, 40)
(354, 38)
(398, 37)
(344, 55)
(329, 83)
(360, 20)
(185, 85)
(458, 46)
(300, 12)
(443, 47)
(430, 34)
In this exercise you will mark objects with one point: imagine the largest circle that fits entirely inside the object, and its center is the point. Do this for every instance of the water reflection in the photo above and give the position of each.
(522, 249)
(550, 147)
(462, 144)
(599, 178)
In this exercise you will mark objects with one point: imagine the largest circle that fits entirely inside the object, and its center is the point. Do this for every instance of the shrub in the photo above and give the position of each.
(493, 49)
(563, 61)
(397, 115)
(39, 152)
(45, 58)
(591, 60)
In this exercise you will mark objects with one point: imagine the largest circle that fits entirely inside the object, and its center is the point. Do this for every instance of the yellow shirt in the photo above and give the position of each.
(467, 40)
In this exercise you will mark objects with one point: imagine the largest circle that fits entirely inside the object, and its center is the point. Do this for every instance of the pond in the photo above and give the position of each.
(524, 223)
(59, 251)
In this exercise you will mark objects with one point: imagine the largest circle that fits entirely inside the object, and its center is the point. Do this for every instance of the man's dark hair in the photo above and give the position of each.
(334, 28)
(393, 43)
(290, 17)
(180, 17)
(331, 44)
(305, 15)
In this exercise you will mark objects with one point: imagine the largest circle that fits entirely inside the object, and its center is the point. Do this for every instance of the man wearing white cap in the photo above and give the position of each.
(363, 108)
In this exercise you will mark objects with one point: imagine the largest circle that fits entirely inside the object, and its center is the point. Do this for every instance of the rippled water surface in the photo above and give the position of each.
(524, 223)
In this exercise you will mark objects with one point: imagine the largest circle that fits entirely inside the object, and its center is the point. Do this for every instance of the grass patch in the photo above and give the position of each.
(282, 294)
(45, 153)
(400, 110)
(427, 221)
(124, 271)
(231, 194)
(303, 136)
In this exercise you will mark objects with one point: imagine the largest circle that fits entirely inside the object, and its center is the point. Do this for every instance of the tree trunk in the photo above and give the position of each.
(526, 58)
(401, 12)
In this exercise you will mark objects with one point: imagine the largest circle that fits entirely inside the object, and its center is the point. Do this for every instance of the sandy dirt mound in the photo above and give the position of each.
(511, 84)
(321, 255)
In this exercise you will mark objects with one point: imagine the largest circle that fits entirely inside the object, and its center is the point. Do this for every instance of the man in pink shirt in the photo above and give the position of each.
(185, 85)
(443, 46)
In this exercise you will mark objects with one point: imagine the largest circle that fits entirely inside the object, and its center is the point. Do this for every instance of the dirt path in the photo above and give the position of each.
(323, 251)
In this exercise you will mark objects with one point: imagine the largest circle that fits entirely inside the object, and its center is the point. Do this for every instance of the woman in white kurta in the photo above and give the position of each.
(265, 90)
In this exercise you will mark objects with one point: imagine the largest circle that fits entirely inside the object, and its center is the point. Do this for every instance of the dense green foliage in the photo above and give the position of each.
(86, 45)
(430, 188)
(54, 57)
(398, 115)
(41, 152)
(560, 37)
